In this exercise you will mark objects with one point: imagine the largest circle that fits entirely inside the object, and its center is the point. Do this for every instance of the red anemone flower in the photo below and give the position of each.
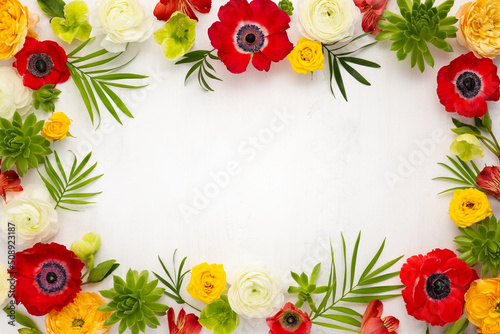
(9, 182)
(41, 63)
(466, 83)
(47, 277)
(186, 324)
(165, 8)
(255, 31)
(489, 180)
(373, 324)
(289, 320)
(435, 286)
(372, 10)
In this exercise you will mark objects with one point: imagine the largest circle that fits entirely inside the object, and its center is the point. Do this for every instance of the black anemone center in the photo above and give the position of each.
(469, 84)
(290, 320)
(40, 65)
(250, 38)
(438, 286)
(51, 277)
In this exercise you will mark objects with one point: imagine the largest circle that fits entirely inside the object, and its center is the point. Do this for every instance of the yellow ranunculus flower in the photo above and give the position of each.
(482, 305)
(79, 317)
(57, 127)
(208, 281)
(306, 56)
(479, 23)
(469, 206)
(15, 25)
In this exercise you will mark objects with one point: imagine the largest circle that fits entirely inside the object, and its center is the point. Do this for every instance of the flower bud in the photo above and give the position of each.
(94, 240)
(467, 147)
(86, 248)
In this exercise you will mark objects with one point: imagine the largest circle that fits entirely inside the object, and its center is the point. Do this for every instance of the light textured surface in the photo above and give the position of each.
(305, 167)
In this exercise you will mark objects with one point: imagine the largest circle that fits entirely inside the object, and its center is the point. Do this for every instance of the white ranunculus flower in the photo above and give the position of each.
(35, 220)
(122, 22)
(255, 293)
(13, 94)
(4, 286)
(328, 21)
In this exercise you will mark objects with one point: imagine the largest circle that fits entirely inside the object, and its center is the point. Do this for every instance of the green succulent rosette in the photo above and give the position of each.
(44, 98)
(74, 24)
(177, 36)
(21, 143)
(219, 317)
(286, 6)
(418, 24)
(134, 302)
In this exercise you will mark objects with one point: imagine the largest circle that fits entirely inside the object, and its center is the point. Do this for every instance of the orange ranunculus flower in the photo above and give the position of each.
(15, 24)
(57, 128)
(482, 302)
(479, 23)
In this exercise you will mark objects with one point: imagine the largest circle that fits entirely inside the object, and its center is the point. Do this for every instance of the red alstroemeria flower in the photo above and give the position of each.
(41, 63)
(466, 84)
(435, 286)
(372, 322)
(165, 8)
(255, 31)
(289, 320)
(186, 324)
(47, 277)
(9, 182)
(489, 180)
(372, 10)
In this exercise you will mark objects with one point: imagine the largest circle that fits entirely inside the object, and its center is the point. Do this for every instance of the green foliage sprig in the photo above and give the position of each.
(134, 302)
(21, 143)
(464, 174)
(418, 24)
(335, 60)
(44, 98)
(349, 291)
(64, 187)
(201, 64)
(174, 285)
(481, 245)
(95, 84)
(30, 326)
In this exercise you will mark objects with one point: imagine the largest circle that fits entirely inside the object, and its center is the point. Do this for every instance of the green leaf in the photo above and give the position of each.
(324, 324)
(355, 74)
(487, 121)
(346, 311)
(377, 289)
(101, 271)
(373, 261)
(354, 259)
(315, 273)
(120, 76)
(338, 78)
(89, 56)
(343, 318)
(378, 279)
(367, 299)
(53, 8)
(361, 62)
(21, 319)
(458, 326)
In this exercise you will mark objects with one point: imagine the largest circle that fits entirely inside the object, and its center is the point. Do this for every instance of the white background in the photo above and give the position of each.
(332, 167)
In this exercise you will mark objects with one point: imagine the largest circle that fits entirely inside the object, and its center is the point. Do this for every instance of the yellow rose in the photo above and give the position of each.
(80, 316)
(479, 23)
(57, 128)
(15, 25)
(469, 206)
(482, 304)
(306, 56)
(207, 282)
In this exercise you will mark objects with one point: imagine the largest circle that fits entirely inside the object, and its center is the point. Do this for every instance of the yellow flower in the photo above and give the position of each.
(469, 206)
(15, 25)
(306, 56)
(207, 282)
(57, 128)
(480, 27)
(79, 317)
(482, 305)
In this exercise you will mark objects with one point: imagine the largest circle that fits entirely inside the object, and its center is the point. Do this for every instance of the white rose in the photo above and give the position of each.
(4, 286)
(122, 22)
(13, 94)
(255, 293)
(34, 220)
(328, 21)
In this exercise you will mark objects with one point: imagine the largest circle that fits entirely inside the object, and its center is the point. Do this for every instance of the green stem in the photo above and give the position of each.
(192, 306)
(489, 147)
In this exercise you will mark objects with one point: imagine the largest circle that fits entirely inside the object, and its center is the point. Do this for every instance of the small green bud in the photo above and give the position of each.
(467, 147)
(86, 248)
(94, 240)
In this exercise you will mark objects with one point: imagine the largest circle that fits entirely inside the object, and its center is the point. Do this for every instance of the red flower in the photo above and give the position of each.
(9, 181)
(47, 277)
(165, 8)
(372, 10)
(41, 63)
(373, 324)
(289, 320)
(255, 31)
(435, 286)
(186, 324)
(489, 180)
(466, 83)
